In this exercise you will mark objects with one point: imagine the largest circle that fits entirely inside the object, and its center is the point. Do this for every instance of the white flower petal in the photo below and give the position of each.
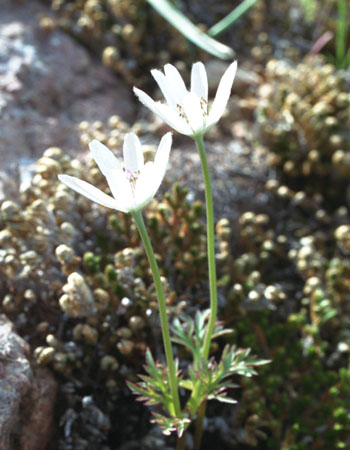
(153, 173)
(147, 101)
(167, 90)
(133, 156)
(104, 158)
(199, 81)
(185, 118)
(165, 112)
(173, 119)
(91, 192)
(175, 81)
(111, 169)
(121, 189)
(194, 112)
(222, 94)
(147, 185)
(130, 195)
(162, 156)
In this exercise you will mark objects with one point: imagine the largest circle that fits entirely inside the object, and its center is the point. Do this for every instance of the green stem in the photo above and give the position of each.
(137, 216)
(180, 445)
(210, 244)
(199, 426)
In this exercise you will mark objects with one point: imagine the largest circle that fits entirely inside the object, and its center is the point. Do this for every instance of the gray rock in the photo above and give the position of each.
(48, 84)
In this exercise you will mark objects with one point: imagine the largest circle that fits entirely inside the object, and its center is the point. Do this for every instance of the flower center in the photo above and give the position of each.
(204, 107)
(132, 176)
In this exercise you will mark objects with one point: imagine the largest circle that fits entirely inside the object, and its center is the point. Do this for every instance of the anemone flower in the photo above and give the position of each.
(132, 188)
(187, 111)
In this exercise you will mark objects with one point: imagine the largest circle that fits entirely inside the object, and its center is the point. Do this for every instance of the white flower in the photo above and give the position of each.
(132, 188)
(187, 111)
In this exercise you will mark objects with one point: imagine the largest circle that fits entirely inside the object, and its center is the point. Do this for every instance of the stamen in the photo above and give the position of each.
(204, 106)
(182, 113)
(132, 177)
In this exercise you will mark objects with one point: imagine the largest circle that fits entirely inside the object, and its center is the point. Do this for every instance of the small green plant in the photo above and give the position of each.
(188, 113)
(204, 379)
(132, 188)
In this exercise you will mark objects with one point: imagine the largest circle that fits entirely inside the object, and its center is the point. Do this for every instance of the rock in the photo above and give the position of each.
(40, 406)
(16, 378)
(27, 397)
(48, 84)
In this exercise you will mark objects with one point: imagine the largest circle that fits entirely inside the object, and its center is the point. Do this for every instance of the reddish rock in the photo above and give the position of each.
(27, 397)
(38, 428)
(16, 379)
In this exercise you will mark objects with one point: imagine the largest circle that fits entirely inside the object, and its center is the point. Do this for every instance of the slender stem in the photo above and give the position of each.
(196, 393)
(180, 445)
(199, 426)
(210, 244)
(137, 215)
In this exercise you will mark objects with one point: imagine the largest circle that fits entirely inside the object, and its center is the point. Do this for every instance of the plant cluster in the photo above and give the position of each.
(285, 278)
(77, 282)
(303, 120)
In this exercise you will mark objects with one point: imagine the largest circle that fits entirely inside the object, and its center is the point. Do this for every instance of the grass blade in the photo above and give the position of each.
(189, 30)
(341, 35)
(234, 15)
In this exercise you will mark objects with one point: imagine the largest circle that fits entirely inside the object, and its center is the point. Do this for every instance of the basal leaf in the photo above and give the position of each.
(189, 30)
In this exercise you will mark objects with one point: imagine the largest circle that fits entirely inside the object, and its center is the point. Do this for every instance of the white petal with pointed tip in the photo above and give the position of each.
(170, 116)
(91, 192)
(175, 81)
(132, 151)
(167, 90)
(111, 169)
(222, 94)
(147, 101)
(153, 173)
(104, 158)
(199, 81)
(162, 156)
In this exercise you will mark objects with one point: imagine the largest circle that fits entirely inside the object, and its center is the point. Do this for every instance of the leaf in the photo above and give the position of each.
(186, 384)
(154, 388)
(210, 379)
(189, 30)
(259, 362)
(223, 332)
(144, 395)
(170, 424)
(223, 399)
(191, 333)
(231, 18)
(329, 315)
